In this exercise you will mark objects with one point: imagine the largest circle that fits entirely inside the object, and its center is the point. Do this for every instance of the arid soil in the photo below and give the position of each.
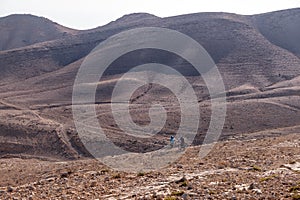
(259, 65)
(240, 169)
(258, 153)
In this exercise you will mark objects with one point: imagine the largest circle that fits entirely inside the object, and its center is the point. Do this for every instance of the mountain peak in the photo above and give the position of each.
(19, 30)
(136, 16)
(25, 17)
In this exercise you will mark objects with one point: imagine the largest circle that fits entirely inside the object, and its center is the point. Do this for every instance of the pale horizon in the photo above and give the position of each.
(93, 13)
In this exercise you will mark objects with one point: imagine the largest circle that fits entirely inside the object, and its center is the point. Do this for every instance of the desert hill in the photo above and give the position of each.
(258, 58)
(281, 28)
(21, 30)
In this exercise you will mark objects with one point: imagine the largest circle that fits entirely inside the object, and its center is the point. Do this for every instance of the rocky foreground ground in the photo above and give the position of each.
(267, 168)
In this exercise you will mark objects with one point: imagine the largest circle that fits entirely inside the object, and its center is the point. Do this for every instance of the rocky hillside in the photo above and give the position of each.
(23, 30)
(258, 58)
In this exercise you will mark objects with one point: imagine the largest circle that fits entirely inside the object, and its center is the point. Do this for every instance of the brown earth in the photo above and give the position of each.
(259, 67)
(258, 57)
(22, 30)
(238, 169)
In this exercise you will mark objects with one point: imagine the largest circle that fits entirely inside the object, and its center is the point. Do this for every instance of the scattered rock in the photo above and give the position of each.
(9, 189)
(204, 182)
(30, 187)
(65, 174)
(233, 198)
(185, 196)
(183, 179)
(50, 179)
(251, 186)
(242, 187)
(179, 166)
(190, 187)
(294, 166)
(93, 183)
(257, 191)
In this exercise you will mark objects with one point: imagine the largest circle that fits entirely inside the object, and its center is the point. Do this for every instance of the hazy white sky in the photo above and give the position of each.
(92, 13)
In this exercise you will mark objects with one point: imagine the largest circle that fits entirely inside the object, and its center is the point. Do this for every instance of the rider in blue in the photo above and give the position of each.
(172, 141)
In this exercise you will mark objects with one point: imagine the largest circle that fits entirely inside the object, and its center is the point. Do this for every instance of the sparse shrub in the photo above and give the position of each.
(212, 192)
(222, 165)
(170, 198)
(103, 171)
(295, 188)
(184, 184)
(296, 197)
(141, 174)
(116, 176)
(256, 168)
(267, 178)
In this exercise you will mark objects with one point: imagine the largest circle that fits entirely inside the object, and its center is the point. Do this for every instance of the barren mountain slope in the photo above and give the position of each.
(23, 30)
(282, 28)
(259, 71)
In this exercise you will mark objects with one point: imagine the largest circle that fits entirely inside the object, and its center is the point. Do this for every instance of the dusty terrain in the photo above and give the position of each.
(257, 157)
(22, 30)
(259, 67)
(247, 169)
